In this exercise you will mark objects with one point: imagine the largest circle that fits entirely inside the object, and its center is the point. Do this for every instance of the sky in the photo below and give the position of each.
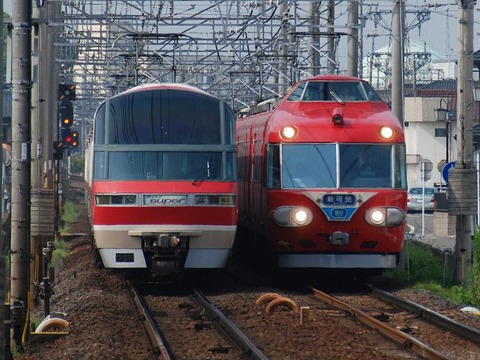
(7, 6)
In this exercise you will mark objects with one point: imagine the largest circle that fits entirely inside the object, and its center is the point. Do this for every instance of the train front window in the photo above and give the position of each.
(365, 165)
(337, 166)
(165, 134)
(334, 91)
(309, 166)
(166, 117)
(140, 165)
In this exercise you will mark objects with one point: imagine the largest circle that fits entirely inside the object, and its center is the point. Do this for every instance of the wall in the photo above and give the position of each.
(422, 142)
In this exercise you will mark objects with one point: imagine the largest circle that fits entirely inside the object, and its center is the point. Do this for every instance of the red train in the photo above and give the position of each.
(322, 177)
(162, 186)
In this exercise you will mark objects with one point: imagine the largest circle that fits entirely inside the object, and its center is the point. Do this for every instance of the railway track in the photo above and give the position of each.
(196, 319)
(238, 324)
(427, 333)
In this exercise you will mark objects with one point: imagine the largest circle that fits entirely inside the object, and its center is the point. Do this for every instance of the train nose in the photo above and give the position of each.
(339, 238)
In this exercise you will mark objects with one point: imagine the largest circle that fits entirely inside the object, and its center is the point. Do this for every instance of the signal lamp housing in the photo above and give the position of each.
(337, 117)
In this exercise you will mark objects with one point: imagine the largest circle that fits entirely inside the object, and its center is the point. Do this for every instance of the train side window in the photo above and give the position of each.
(100, 125)
(400, 174)
(272, 180)
(296, 95)
(371, 94)
(99, 162)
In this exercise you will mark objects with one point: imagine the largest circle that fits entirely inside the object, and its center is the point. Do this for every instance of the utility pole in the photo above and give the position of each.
(3, 336)
(462, 178)
(398, 32)
(20, 194)
(332, 68)
(352, 42)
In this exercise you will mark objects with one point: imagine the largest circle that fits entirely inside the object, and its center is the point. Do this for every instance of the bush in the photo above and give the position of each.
(427, 270)
(77, 164)
(423, 266)
(475, 270)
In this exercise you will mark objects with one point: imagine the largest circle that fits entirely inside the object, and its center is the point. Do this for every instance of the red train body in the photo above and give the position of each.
(322, 177)
(162, 187)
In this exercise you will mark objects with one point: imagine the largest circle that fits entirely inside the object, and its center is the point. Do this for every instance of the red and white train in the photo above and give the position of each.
(162, 186)
(322, 177)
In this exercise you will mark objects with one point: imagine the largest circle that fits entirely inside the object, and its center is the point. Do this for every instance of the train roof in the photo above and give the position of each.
(163, 86)
(331, 77)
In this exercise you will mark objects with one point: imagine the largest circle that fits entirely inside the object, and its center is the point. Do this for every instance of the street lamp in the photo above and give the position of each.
(442, 115)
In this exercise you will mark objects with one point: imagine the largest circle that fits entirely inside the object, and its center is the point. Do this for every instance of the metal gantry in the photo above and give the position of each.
(242, 51)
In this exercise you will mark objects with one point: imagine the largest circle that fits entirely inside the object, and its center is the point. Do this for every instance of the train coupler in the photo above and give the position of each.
(339, 238)
(168, 253)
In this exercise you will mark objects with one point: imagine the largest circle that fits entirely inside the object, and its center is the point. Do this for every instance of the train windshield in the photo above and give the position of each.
(334, 91)
(166, 135)
(338, 166)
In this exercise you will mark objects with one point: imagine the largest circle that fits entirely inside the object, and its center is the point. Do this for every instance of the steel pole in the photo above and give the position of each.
(20, 194)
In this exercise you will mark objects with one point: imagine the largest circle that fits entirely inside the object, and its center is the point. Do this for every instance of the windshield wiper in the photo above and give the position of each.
(337, 97)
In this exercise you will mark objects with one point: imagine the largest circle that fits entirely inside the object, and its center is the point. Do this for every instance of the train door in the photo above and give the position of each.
(243, 164)
(257, 186)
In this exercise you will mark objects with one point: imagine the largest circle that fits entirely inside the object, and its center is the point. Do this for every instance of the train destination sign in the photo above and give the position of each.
(165, 200)
(339, 199)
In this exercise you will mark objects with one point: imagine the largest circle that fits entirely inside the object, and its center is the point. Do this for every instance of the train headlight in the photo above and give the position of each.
(300, 216)
(288, 132)
(385, 216)
(292, 216)
(386, 132)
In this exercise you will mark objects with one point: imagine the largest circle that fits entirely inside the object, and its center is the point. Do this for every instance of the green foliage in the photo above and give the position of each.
(60, 252)
(423, 266)
(69, 215)
(475, 269)
(431, 272)
(70, 212)
(77, 164)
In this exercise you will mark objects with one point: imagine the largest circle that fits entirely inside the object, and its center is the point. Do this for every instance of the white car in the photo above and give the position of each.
(415, 198)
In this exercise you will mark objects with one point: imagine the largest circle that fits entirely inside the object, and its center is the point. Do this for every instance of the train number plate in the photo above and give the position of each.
(339, 199)
(165, 200)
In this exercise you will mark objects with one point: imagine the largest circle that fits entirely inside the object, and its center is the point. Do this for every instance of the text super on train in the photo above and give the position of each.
(160, 168)
(322, 179)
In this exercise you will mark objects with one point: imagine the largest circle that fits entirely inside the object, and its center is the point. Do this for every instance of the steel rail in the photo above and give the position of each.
(430, 315)
(399, 337)
(156, 338)
(250, 350)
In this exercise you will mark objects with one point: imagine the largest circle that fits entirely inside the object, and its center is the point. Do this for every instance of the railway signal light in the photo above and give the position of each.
(74, 142)
(69, 139)
(65, 111)
(66, 91)
(57, 150)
